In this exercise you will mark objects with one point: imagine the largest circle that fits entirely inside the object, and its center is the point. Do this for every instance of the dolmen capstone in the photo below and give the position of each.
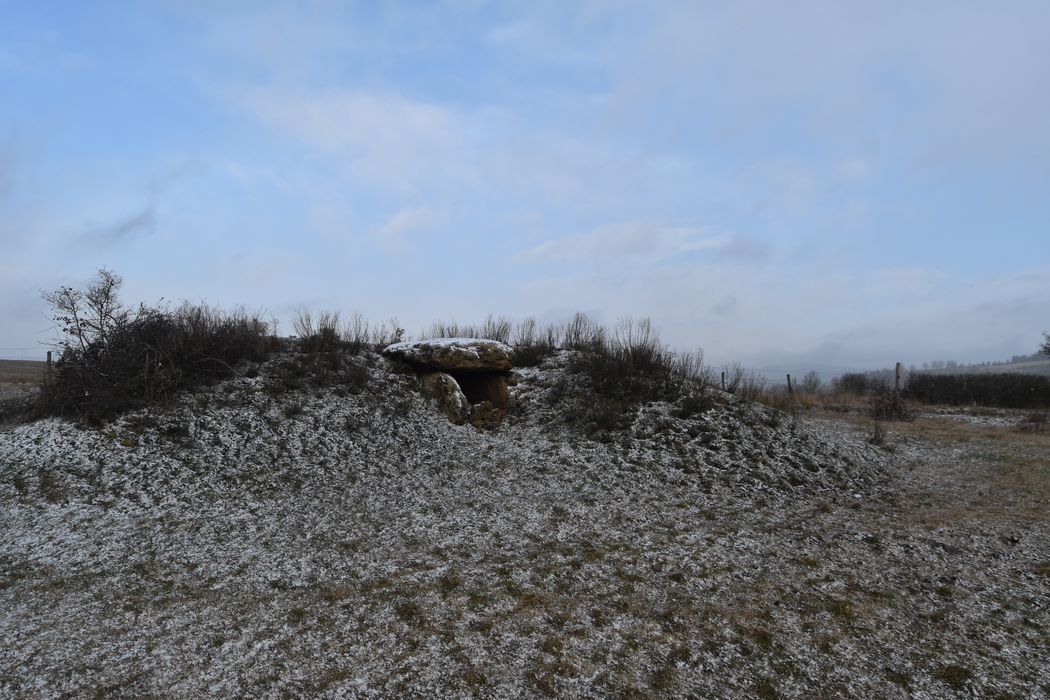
(469, 377)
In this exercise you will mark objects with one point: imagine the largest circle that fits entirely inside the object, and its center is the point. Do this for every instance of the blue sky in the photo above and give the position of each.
(828, 183)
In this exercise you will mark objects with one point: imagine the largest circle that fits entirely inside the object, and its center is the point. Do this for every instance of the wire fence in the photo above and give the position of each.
(38, 353)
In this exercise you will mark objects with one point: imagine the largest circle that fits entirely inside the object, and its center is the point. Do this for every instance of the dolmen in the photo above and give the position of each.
(469, 377)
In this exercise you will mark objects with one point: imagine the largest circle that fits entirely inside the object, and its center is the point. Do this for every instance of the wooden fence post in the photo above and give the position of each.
(48, 360)
(792, 405)
(723, 380)
(897, 380)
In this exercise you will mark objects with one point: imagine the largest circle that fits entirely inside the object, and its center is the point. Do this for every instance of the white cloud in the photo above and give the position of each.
(637, 242)
(948, 81)
(393, 235)
(386, 140)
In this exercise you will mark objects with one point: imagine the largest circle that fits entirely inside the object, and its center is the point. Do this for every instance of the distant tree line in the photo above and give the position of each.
(1003, 390)
(861, 384)
(1015, 359)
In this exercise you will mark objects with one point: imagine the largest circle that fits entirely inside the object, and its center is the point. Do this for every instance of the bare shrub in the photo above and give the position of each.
(355, 333)
(112, 359)
(493, 328)
(890, 406)
(810, 383)
(445, 329)
(743, 382)
(779, 398)
(532, 345)
(387, 333)
(317, 335)
(690, 365)
(526, 333)
(581, 333)
(628, 368)
(496, 329)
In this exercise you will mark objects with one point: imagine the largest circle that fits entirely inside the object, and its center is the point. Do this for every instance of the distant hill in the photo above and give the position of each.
(1036, 363)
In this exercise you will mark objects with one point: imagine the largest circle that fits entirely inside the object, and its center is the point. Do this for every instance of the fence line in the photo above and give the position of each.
(36, 353)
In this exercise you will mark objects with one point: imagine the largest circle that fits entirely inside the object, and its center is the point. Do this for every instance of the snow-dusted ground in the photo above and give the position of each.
(322, 543)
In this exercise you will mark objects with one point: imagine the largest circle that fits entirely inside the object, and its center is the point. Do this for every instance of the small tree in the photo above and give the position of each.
(1046, 343)
(90, 315)
(810, 383)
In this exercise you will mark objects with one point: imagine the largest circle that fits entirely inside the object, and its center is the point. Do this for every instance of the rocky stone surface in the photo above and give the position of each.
(450, 397)
(486, 416)
(454, 354)
(472, 381)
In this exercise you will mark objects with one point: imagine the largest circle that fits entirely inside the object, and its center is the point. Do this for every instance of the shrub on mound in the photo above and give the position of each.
(615, 373)
(112, 359)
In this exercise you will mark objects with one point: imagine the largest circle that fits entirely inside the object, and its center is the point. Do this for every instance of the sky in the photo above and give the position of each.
(837, 183)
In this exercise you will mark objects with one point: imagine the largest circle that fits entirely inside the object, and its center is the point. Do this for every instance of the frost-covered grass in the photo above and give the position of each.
(318, 542)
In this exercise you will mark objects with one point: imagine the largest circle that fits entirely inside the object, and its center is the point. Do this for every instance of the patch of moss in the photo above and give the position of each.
(953, 675)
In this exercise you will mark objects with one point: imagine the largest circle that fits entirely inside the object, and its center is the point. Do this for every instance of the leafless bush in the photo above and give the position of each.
(496, 329)
(112, 359)
(810, 383)
(779, 398)
(581, 333)
(387, 333)
(532, 345)
(493, 328)
(355, 333)
(445, 329)
(890, 406)
(744, 382)
(690, 365)
(317, 335)
(626, 369)
(525, 333)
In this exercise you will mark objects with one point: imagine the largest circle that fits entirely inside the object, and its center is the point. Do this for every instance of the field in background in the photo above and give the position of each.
(18, 377)
(21, 371)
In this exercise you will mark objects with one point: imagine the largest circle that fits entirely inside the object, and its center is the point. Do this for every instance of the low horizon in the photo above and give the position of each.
(773, 372)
